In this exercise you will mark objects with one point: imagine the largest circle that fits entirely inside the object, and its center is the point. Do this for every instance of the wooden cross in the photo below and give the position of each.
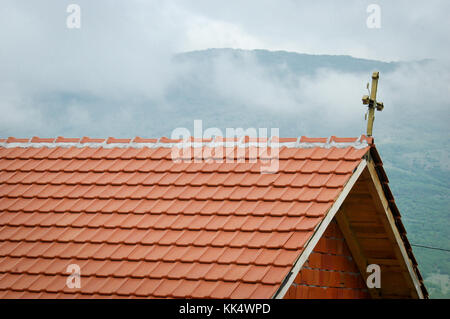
(372, 102)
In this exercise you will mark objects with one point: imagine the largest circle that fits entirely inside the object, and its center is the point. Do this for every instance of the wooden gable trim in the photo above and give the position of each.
(378, 195)
(318, 232)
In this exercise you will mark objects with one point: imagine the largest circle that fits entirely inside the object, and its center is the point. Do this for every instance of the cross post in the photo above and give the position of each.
(372, 102)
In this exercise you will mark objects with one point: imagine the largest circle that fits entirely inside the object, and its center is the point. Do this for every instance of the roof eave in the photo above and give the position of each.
(401, 241)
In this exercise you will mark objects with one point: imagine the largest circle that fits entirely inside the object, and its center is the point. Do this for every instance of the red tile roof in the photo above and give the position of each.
(139, 224)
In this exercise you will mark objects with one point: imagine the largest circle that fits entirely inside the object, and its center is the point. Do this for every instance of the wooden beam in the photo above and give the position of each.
(393, 269)
(383, 261)
(361, 216)
(376, 244)
(355, 248)
(382, 204)
(380, 254)
(364, 235)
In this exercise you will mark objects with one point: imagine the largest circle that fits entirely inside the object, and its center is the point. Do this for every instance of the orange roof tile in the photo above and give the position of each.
(142, 225)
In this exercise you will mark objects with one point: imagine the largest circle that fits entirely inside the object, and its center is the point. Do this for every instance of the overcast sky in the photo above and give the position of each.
(409, 29)
(123, 51)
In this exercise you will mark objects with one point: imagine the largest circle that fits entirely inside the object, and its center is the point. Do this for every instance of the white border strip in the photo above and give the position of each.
(320, 229)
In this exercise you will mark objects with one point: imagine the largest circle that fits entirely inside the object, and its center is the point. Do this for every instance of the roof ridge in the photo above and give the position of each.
(217, 141)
